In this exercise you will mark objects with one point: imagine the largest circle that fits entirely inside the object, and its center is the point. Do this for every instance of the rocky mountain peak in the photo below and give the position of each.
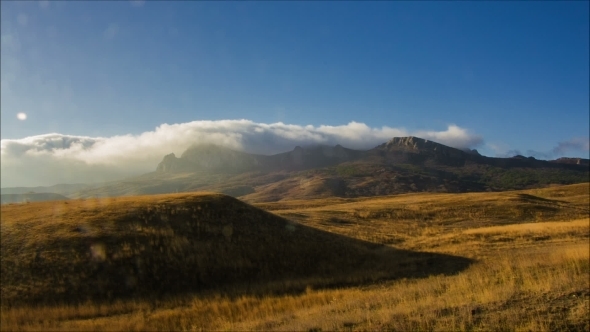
(215, 157)
(169, 163)
(473, 152)
(413, 143)
(170, 156)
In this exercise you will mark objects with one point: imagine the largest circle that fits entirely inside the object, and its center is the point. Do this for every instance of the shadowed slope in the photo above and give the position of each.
(153, 246)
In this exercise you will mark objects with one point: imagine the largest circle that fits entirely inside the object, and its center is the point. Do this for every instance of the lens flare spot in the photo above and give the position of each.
(98, 252)
(21, 116)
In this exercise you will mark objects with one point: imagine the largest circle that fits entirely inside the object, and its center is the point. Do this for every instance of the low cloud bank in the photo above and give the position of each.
(562, 149)
(56, 158)
(573, 144)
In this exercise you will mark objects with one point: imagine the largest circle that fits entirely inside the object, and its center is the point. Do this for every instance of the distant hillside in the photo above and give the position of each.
(223, 160)
(31, 197)
(153, 246)
(62, 189)
(383, 219)
(576, 161)
(401, 165)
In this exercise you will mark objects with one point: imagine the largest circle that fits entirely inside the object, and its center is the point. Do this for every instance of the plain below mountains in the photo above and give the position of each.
(31, 197)
(402, 165)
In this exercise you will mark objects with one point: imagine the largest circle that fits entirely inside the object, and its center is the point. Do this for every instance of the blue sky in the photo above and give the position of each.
(515, 74)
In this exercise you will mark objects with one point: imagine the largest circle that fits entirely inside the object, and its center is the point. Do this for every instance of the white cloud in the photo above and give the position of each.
(579, 146)
(454, 136)
(503, 150)
(57, 158)
(578, 143)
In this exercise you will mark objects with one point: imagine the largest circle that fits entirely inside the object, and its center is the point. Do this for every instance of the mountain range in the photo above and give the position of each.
(401, 165)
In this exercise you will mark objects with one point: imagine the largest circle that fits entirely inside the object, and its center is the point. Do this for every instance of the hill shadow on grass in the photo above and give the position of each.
(533, 198)
(159, 246)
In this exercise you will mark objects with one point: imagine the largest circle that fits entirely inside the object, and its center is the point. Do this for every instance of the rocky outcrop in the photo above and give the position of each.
(472, 151)
(415, 150)
(572, 161)
(168, 164)
(312, 157)
(412, 143)
(218, 158)
(172, 164)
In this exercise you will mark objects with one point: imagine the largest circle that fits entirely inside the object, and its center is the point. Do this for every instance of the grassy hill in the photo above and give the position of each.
(157, 246)
(406, 218)
(510, 261)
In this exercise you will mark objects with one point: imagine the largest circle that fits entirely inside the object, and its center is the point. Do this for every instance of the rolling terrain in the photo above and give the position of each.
(62, 189)
(515, 260)
(162, 245)
(31, 197)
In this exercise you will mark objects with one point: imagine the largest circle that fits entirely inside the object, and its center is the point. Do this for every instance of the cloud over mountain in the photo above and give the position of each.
(578, 143)
(560, 150)
(57, 158)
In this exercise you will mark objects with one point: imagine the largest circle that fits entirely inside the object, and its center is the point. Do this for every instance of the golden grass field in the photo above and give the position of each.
(514, 260)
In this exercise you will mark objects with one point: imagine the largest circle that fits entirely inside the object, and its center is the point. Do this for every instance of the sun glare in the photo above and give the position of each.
(21, 116)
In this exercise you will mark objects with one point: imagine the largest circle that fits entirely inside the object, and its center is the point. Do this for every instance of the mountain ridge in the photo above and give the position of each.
(321, 156)
(400, 165)
(223, 159)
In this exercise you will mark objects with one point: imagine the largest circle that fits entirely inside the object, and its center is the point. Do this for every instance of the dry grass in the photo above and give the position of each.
(531, 273)
(411, 219)
(505, 293)
(156, 246)
(517, 291)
